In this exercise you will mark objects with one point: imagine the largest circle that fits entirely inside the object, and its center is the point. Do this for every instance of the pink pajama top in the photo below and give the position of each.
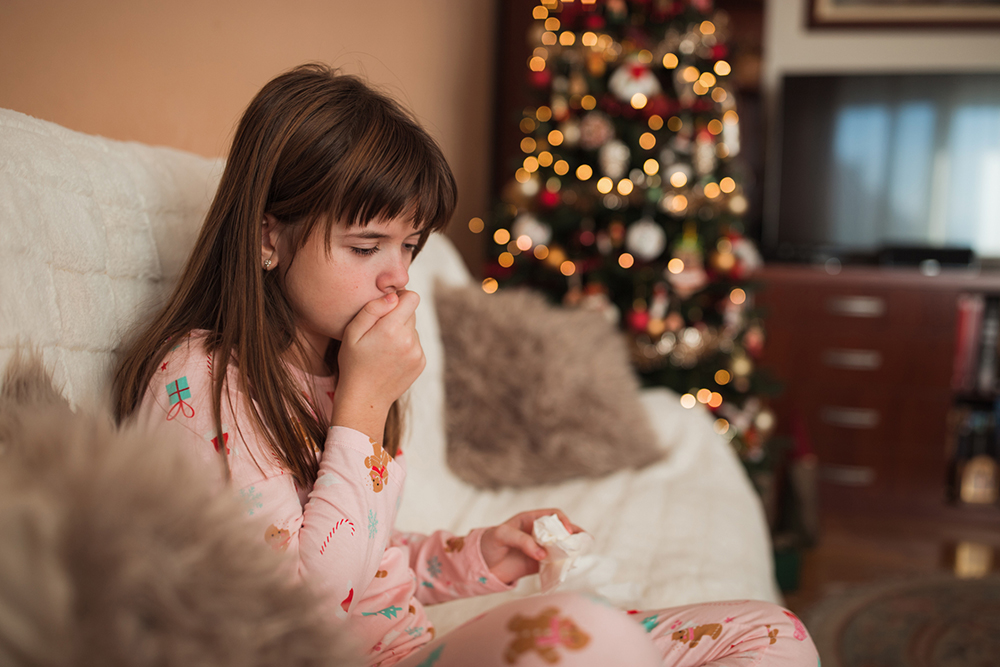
(339, 533)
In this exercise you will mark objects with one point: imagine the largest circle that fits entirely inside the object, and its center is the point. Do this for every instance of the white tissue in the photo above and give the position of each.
(563, 550)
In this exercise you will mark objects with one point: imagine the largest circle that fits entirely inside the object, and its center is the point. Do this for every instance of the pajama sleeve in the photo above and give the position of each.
(449, 567)
(336, 536)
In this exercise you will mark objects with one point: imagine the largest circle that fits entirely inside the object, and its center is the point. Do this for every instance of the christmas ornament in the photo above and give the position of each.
(595, 130)
(685, 272)
(634, 79)
(528, 225)
(704, 154)
(645, 239)
(613, 157)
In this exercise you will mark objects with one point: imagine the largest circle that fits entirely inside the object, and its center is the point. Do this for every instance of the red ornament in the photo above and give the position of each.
(719, 51)
(637, 320)
(548, 199)
(594, 21)
(541, 79)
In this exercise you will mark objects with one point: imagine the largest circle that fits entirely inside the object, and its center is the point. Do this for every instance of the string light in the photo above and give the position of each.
(721, 426)
(715, 126)
(727, 184)
(540, 252)
(670, 61)
(540, 12)
(528, 145)
(675, 266)
(567, 268)
(527, 125)
(626, 260)
(678, 179)
(655, 122)
(704, 395)
(476, 225)
(651, 166)
(588, 102)
(707, 79)
(712, 190)
(524, 243)
(589, 39)
(722, 377)
(584, 172)
(490, 285)
(638, 101)
(522, 176)
(501, 236)
(707, 28)
(567, 38)
(647, 140)
(730, 117)
(555, 138)
(543, 114)
(536, 64)
(531, 164)
(675, 124)
(716, 400)
(688, 401)
(552, 23)
(690, 74)
(561, 167)
(722, 68)
(506, 260)
(549, 38)
(605, 185)
(625, 187)
(737, 296)
(545, 159)
(719, 95)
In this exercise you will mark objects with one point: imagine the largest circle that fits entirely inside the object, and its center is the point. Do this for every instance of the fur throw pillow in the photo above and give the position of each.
(536, 394)
(117, 552)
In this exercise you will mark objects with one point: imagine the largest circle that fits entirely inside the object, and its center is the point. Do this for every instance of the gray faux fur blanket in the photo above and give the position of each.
(116, 552)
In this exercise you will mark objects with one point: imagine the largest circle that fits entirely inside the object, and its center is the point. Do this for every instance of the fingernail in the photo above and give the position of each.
(390, 297)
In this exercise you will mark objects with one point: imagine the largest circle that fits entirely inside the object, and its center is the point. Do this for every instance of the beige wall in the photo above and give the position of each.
(179, 72)
(790, 47)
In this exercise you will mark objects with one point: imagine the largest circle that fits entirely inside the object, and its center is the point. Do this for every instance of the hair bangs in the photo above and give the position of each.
(393, 169)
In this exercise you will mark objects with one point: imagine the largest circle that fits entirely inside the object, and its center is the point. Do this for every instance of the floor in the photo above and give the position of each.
(865, 546)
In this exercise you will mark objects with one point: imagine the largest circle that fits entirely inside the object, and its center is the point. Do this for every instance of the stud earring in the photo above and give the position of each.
(267, 264)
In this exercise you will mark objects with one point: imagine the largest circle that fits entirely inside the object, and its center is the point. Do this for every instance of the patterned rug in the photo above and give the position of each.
(929, 622)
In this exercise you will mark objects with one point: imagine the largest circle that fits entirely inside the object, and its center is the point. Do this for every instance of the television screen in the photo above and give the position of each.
(865, 164)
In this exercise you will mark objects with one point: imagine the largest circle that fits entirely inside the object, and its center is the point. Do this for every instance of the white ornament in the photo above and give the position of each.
(595, 130)
(631, 79)
(528, 225)
(571, 133)
(614, 157)
(748, 255)
(645, 239)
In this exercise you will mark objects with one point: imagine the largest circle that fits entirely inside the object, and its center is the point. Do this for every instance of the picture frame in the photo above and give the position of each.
(910, 14)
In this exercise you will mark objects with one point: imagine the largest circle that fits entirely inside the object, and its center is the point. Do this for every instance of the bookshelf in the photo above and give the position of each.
(892, 373)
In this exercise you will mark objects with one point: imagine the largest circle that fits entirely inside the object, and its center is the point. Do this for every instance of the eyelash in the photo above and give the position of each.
(368, 252)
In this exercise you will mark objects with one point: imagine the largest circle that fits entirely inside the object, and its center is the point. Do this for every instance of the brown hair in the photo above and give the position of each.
(313, 147)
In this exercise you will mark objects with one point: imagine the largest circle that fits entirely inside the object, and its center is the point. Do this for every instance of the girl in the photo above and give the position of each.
(281, 356)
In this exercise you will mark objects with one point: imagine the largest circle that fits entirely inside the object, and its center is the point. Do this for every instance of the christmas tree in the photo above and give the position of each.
(628, 199)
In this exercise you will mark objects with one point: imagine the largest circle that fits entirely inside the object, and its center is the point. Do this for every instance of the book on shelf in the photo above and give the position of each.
(977, 336)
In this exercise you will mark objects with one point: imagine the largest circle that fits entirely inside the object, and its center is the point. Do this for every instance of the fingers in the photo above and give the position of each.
(404, 311)
(372, 312)
(526, 519)
(520, 540)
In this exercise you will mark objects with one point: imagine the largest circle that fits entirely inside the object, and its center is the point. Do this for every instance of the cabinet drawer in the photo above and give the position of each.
(886, 360)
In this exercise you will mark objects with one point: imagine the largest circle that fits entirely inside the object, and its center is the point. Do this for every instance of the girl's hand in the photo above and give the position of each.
(509, 549)
(380, 357)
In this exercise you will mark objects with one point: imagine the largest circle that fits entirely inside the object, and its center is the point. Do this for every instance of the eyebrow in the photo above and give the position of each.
(372, 234)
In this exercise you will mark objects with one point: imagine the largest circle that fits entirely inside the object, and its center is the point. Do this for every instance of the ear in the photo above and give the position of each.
(269, 238)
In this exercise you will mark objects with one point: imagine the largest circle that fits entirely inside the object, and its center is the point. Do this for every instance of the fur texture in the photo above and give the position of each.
(117, 552)
(536, 394)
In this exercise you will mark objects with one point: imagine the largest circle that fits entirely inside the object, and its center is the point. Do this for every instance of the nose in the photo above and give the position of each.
(395, 275)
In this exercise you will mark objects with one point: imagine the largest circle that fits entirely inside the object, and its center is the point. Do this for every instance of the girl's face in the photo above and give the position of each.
(327, 287)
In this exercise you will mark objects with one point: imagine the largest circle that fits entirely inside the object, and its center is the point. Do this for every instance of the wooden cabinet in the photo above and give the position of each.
(866, 360)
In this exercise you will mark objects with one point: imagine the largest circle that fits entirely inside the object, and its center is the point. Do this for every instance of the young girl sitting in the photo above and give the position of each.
(281, 356)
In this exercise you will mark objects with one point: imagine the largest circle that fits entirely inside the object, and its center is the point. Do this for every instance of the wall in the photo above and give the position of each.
(790, 47)
(180, 73)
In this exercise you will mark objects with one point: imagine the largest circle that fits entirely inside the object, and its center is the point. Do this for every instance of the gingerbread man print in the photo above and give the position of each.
(378, 464)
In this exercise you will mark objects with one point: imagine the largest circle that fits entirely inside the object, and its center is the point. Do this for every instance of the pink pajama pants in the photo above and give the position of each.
(568, 629)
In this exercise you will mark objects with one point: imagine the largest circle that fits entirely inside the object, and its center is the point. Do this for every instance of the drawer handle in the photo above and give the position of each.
(861, 418)
(848, 475)
(857, 306)
(853, 360)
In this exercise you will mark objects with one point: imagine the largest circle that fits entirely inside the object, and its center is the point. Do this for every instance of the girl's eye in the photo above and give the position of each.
(365, 252)
(410, 247)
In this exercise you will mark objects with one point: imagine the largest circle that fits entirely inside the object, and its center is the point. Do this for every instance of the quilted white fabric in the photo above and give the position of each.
(92, 231)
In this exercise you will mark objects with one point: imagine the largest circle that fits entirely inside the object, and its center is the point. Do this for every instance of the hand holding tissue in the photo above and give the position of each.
(563, 549)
